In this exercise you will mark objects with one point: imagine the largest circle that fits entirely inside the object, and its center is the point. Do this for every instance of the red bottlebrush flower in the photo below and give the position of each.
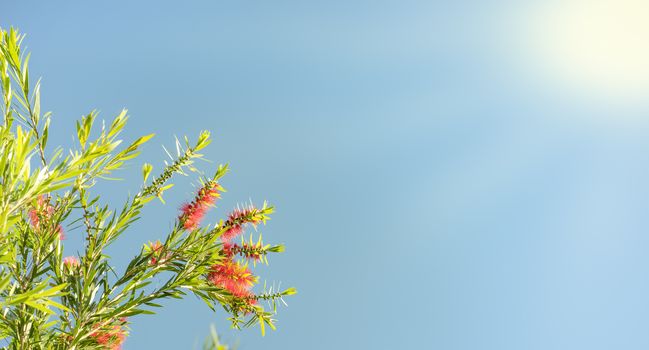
(236, 221)
(192, 213)
(229, 249)
(232, 232)
(59, 230)
(111, 339)
(246, 303)
(232, 276)
(157, 256)
(33, 217)
(71, 262)
(43, 210)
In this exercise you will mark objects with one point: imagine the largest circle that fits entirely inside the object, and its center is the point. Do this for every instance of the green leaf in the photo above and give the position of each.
(290, 291)
(146, 171)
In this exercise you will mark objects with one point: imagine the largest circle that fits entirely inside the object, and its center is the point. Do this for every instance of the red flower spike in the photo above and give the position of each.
(236, 221)
(192, 213)
(229, 249)
(231, 233)
(156, 249)
(111, 339)
(233, 277)
(43, 210)
(71, 262)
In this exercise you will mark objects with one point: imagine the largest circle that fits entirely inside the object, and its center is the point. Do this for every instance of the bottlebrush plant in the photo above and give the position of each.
(52, 301)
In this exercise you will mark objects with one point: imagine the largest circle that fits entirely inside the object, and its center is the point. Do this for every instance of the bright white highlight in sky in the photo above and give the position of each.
(597, 47)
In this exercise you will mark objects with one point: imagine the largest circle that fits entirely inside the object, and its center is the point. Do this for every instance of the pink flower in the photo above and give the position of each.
(229, 249)
(192, 213)
(233, 277)
(157, 256)
(237, 219)
(232, 232)
(71, 262)
(112, 338)
(43, 211)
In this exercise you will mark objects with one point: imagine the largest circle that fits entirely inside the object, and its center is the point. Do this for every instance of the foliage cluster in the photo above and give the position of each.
(49, 301)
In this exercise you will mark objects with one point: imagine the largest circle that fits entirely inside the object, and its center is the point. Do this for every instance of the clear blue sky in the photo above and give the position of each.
(441, 181)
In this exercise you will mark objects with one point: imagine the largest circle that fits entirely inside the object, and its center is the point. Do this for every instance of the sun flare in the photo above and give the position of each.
(597, 47)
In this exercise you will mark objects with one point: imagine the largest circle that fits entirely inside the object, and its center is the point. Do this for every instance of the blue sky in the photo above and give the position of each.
(447, 175)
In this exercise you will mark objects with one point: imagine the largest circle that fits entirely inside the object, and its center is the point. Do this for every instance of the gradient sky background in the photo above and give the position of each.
(447, 174)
